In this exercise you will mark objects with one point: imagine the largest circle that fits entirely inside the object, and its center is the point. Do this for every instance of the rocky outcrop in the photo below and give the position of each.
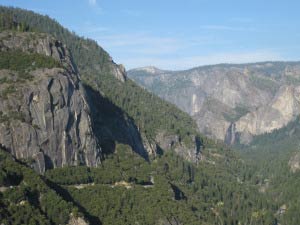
(47, 117)
(294, 163)
(169, 142)
(118, 71)
(77, 221)
(38, 43)
(230, 102)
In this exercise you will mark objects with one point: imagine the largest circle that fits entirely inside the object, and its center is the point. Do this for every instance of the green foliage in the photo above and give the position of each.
(3, 117)
(8, 22)
(24, 62)
(70, 175)
(27, 198)
(11, 115)
(20, 64)
(267, 167)
(130, 168)
(126, 189)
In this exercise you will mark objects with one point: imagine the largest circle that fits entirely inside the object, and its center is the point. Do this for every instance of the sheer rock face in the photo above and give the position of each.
(53, 124)
(284, 107)
(118, 71)
(230, 102)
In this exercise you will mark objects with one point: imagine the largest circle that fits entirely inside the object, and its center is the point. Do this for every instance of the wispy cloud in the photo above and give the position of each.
(93, 2)
(95, 6)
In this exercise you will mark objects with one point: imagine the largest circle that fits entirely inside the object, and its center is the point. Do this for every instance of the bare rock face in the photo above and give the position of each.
(167, 142)
(46, 118)
(230, 102)
(294, 163)
(172, 142)
(283, 109)
(118, 71)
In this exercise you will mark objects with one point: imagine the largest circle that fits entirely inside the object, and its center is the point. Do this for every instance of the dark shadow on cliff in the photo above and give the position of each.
(199, 145)
(111, 125)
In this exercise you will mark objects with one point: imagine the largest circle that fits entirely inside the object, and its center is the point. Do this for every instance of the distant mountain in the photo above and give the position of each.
(230, 102)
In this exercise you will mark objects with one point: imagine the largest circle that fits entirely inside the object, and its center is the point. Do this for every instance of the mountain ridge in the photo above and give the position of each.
(238, 89)
(216, 65)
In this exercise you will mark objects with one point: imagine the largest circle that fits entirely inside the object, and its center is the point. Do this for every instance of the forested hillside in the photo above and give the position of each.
(126, 190)
(27, 198)
(274, 160)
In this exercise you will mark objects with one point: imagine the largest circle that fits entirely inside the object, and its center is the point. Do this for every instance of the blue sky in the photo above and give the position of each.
(181, 34)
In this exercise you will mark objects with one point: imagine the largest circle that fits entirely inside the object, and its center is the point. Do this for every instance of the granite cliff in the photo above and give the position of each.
(230, 102)
(44, 111)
